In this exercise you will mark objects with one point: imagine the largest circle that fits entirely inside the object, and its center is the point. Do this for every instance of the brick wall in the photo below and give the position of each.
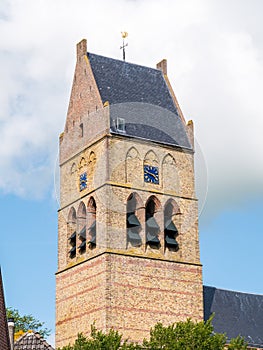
(126, 293)
(116, 284)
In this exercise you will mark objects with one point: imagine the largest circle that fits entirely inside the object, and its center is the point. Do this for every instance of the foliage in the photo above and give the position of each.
(237, 343)
(187, 335)
(27, 322)
(99, 340)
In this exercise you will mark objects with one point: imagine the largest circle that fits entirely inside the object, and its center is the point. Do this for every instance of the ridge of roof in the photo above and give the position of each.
(234, 291)
(124, 62)
(4, 338)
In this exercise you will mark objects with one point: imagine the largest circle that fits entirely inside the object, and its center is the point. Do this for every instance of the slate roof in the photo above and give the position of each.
(4, 335)
(235, 314)
(141, 96)
(32, 341)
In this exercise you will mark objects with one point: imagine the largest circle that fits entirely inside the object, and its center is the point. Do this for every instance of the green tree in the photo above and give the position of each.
(237, 343)
(99, 340)
(187, 335)
(27, 322)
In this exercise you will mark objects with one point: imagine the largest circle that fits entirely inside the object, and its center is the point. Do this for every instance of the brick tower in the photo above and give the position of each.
(128, 247)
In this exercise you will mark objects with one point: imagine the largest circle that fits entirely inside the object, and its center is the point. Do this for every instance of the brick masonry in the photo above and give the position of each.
(127, 293)
(116, 284)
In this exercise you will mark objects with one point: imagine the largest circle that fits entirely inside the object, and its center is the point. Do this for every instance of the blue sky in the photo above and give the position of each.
(214, 51)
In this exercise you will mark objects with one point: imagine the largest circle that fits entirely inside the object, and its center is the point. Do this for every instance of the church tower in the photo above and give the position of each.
(128, 247)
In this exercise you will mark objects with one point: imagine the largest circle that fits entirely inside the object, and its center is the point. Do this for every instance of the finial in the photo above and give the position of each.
(124, 35)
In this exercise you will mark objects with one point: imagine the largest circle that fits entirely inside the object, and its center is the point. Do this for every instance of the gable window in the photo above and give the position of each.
(81, 132)
(120, 124)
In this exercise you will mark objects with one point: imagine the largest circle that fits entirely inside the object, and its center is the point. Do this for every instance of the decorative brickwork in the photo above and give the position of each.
(127, 293)
(140, 263)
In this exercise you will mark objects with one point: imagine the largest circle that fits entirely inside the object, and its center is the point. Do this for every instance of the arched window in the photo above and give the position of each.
(151, 225)
(132, 222)
(72, 232)
(92, 231)
(82, 227)
(170, 228)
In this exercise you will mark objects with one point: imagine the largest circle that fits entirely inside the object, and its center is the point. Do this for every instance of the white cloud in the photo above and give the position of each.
(214, 57)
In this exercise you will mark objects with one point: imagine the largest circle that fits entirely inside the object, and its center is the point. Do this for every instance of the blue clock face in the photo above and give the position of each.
(151, 174)
(83, 181)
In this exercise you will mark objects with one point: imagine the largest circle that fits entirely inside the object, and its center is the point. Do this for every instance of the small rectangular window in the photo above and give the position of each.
(121, 124)
(81, 130)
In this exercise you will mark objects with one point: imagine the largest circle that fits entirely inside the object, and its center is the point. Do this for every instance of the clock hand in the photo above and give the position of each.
(151, 174)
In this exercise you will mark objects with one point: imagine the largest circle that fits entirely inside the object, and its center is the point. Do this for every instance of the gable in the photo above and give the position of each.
(32, 341)
(4, 335)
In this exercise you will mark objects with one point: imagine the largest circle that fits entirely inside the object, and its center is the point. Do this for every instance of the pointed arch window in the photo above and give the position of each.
(72, 233)
(92, 230)
(170, 229)
(82, 227)
(152, 227)
(132, 222)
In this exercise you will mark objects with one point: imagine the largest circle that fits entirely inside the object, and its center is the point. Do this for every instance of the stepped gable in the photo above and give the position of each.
(4, 335)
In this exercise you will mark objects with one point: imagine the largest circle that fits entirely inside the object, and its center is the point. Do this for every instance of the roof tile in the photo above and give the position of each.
(32, 341)
(141, 96)
(235, 314)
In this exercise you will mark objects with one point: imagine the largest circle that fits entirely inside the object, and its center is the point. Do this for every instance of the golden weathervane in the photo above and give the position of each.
(124, 36)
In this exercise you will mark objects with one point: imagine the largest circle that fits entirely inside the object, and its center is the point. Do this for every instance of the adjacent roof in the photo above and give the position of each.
(4, 335)
(32, 341)
(235, 314)
(141, 96)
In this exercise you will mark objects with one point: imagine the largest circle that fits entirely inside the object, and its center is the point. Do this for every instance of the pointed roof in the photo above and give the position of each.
(121, 82)
(4, 335)
(32, 341)
(142, 97)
